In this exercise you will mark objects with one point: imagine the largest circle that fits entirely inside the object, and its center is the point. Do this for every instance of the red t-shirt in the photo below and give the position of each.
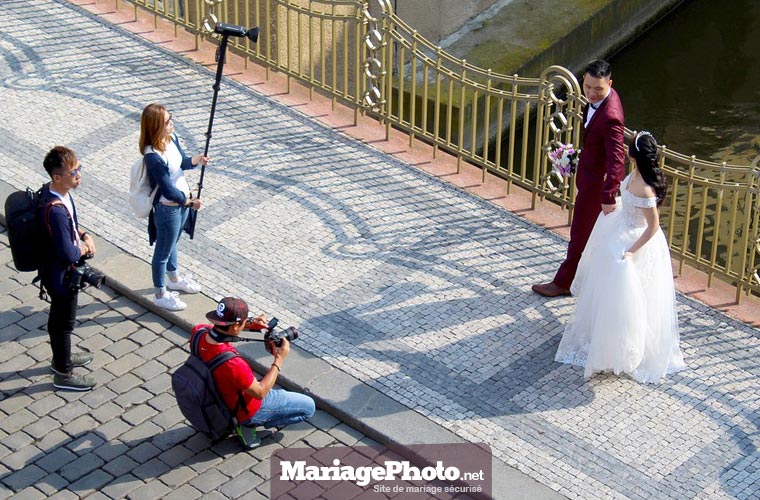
(232, 378)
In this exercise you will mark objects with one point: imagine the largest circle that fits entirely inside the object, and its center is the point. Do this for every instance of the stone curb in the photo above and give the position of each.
(338, 393)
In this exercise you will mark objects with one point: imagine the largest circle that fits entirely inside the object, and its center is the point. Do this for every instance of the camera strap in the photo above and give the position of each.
(223, 337)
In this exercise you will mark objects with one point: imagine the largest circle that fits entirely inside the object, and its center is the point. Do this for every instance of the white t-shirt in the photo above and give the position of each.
(173, 158)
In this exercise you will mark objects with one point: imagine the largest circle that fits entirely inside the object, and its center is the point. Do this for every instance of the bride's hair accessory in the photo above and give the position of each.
(642, 134)
(646, 157)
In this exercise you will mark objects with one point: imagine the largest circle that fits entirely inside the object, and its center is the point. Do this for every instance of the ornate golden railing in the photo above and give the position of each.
(361, 54)
(712, 219)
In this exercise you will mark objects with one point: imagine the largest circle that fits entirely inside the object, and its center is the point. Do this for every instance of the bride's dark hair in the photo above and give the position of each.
(643, 149)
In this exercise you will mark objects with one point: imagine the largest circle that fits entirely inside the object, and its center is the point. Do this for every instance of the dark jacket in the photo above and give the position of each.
(158, 173)
(602, 162)
(62, 251)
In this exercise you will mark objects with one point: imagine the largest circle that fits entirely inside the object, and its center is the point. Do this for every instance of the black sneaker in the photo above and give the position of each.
(73, 382)
(77, 359)
(247, 435)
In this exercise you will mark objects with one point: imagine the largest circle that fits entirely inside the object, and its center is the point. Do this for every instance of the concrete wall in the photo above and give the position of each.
(526, 36)
(436, 19)
(606, 32)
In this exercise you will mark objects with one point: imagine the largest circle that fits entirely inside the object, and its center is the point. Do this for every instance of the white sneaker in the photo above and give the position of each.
(185, 284)
(170, 301)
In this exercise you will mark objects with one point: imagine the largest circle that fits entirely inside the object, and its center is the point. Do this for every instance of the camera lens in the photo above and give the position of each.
(92, 277)
(290, 333)
(95, 279)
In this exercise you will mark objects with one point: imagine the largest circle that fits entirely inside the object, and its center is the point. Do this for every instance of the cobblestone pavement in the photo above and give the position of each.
(408, 284)
(127, 437)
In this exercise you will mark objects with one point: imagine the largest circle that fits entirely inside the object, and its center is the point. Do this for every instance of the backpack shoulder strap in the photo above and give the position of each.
(217, 360)
(195, 342)
(220, 359)
(48, 208)
(155, 192)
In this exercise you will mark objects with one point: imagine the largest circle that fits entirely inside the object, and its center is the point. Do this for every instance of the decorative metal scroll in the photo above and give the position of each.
(755, 270)
(209, 22)
(561, 95)
(373, 66)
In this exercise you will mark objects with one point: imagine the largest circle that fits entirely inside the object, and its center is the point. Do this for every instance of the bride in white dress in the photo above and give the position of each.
(625, 318)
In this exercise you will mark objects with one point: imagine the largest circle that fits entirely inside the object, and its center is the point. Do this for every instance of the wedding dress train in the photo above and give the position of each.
(625, 318)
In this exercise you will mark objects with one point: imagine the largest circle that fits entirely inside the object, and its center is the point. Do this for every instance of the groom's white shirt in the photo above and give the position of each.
(593, 107)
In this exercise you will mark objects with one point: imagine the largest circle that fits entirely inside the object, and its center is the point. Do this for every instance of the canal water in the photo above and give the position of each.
(693, 80)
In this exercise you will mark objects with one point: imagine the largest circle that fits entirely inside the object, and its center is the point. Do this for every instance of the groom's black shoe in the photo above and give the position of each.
(550, 290)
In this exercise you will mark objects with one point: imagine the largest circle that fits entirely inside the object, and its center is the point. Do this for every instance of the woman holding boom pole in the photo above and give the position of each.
(165, 162)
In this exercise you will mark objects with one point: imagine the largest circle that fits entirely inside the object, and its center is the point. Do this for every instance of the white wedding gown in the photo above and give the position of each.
(625, 319)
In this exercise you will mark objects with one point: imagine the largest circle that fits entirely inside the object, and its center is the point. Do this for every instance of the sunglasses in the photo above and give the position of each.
(74, 172)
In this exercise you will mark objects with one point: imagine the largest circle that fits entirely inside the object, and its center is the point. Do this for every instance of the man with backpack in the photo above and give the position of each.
(253, 402)
(67, 245)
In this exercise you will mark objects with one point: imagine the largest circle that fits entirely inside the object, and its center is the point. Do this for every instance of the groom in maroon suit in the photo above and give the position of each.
(601, 168)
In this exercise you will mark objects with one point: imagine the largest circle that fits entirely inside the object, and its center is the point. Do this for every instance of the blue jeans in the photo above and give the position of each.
(280, 408)
(169, 222)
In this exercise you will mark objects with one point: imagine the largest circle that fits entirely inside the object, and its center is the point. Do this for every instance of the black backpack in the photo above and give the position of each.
(26, 234)
(196, 393)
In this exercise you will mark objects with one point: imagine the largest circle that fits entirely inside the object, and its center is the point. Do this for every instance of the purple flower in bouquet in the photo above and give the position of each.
(564, 158)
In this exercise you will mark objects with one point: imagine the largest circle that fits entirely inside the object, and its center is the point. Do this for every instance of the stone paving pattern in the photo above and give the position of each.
(410, 285)
(126, 438)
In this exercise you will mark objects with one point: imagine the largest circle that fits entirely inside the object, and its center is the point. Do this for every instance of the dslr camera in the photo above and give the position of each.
(81, 274)
(272, 335)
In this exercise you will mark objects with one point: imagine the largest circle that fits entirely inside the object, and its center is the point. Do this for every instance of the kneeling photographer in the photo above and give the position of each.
(63, 271)
(253, 402)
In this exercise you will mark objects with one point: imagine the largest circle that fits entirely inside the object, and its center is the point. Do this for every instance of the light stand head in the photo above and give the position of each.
(225, 29)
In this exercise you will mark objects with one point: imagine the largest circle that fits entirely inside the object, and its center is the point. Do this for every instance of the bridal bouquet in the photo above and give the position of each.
(564, 158)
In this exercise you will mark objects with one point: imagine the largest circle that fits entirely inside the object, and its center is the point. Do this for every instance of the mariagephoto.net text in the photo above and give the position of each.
(362, 476)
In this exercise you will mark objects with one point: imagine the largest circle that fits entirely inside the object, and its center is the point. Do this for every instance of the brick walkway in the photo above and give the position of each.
(414, 288)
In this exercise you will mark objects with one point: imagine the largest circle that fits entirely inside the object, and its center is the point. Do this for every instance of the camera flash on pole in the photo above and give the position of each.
(226, 30)
(239, 31)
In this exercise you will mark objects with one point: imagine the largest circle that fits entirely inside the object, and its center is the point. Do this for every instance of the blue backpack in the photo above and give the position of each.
(196, 393)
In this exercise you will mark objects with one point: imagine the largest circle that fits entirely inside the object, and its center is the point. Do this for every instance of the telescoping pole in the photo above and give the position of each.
(220, 56)
(226, 30)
